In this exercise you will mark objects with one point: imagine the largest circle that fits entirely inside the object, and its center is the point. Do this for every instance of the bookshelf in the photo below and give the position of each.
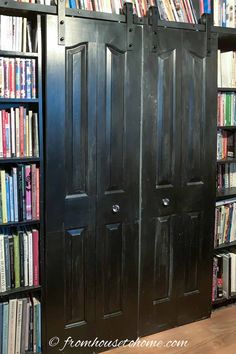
(22, 150)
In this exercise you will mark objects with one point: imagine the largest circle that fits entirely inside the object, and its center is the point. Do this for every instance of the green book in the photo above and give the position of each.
(16, 260)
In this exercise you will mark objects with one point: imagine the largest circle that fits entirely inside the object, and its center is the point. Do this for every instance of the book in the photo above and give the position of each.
(12, 327)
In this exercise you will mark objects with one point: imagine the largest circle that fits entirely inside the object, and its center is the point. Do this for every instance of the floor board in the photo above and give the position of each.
(216, 335)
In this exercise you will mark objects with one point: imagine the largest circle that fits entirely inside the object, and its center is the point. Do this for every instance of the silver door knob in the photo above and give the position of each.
(115, 208)
(166, 201)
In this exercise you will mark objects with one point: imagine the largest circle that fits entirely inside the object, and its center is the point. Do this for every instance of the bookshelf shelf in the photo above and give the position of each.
(22, 290)
(229, 160)
(12, 7)
(14, 160)
(227, 127)
(21, 223)
(227, 89)
(225, 245)
(19, 100)
(223, 301)
(11, 53)
(224, 193)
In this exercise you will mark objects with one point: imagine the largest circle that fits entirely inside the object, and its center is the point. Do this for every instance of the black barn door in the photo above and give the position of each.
(92, 181)
(178, 164)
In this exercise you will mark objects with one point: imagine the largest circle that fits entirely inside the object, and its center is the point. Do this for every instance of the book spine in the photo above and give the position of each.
(28, 188)
(4, 134)
(34, 191)
(11, 194)
(18, 326)
(12, 328)
(13, 134)
(15, 192)
(35, 236)
(26, 259)
(35, 135)
(30, 134)
(4, 197)
(16, 260)
(1, 78)
(1, 146)
(28, 78)
(5, 328)
(1, 329)
(18, 77)
(12, 77)
(6, 78)
(23, 193)
(2, 265)
(8, 197)
(31, 275)
(22, 79)
(12, 266)
(21, 251)
(33, 81)
(20, 197)
(17, 118)
(8, 134)
(21, 121)
(7, 262)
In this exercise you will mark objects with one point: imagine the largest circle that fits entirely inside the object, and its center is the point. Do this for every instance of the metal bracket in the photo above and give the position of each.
(207, 20)
(153, 19)
(128, 11)
(61, 10)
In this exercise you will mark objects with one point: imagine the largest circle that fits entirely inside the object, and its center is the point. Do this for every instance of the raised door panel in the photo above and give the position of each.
(160, 181)
(198, 176)
(118, 140)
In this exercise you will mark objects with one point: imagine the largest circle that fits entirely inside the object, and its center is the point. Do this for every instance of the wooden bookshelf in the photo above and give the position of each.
(9, 53)
(227, 89)
(20, 291)
(228, 160)
(223, 301)
(226, 245)
(21, 223)
(225, 193)
(19, 100)
(14, 160)
(227, 127)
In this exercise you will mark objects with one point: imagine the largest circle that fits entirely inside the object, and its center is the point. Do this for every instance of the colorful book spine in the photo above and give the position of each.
(28, 188)
(35, 236)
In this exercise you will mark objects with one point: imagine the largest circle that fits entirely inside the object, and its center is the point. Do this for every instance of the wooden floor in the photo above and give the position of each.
(216, 335)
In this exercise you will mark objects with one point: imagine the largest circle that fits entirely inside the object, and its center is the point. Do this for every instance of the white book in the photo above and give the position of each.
(233, 273)
(3, 286)
(17, 129)
(36, 135)
(24, 34)
(30, 132)
(19, 44)
(219, 76)
(12, 327)
(174, 10)
(30, 255)
(216, 13)
(233, 226)
(18, 326)
(26, 259)
(15, 193)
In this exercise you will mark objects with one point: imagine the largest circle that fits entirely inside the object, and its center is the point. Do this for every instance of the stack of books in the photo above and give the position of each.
(225, 144)
(16, 34)
(226, 111)
(19, 136)
(19, 258)
(19, 189)
(226, 69)
(20, 326)
(226, 175)
(17, 78)
(225, 224)
(224, 275)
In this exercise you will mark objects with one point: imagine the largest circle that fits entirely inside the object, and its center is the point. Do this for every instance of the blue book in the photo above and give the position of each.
(39, 346)
(11, 198)
(7, 262)
(224, 13)
(1, 326)
(8, 198)
(72, 4)
(5, 328)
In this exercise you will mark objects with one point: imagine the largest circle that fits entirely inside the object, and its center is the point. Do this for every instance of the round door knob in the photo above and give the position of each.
(115, 208)
(166, 201)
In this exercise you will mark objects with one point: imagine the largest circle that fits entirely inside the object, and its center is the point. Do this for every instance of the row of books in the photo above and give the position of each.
(226, 69)
(226, 175)
(20, 326)
(19, 258)
(225, 224)
(18, 133)
(16, 34)
(225, 144)
(226, 109)
(169, 10)
(224, 13)
(17, 78)
(224, 275)
(19, 194)
(42, 2)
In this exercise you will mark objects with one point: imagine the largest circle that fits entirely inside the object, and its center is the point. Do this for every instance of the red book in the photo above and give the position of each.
(4, 145)
(37, 194)
(35, 236)
(21, 131)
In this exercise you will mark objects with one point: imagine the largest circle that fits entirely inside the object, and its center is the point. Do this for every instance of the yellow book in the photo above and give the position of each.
(4, 197)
